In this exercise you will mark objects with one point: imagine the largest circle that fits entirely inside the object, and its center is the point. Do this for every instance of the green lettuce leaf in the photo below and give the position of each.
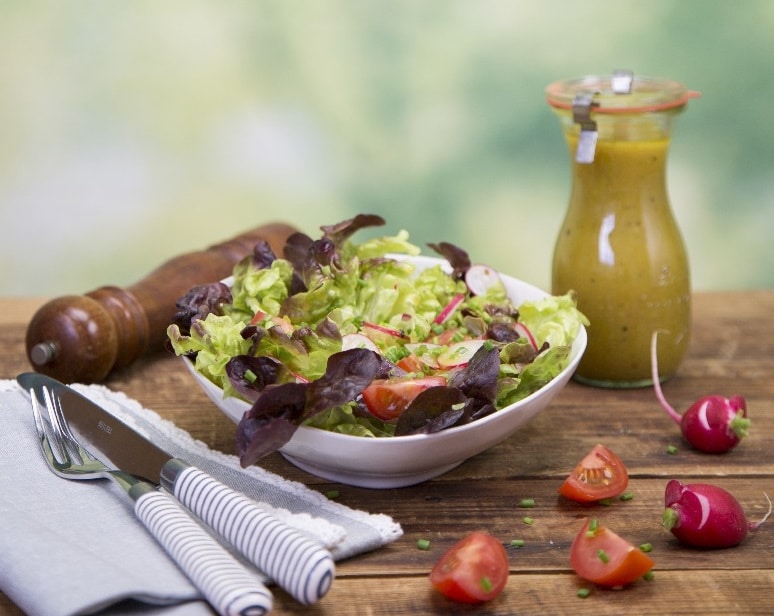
(554, 319)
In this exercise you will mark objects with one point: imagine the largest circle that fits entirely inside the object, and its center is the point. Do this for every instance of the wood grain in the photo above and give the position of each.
(732, 351)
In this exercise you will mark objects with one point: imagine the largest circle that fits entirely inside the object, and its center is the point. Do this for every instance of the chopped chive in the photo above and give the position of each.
(332, 494)
(626, 496)
(649, 576)
(605, 502)
(602, 555)
(527, 503)
(583, 592)
(646, 547)
(671, 450)
(593, 528)
(517, 543)
(486, 584)
(423, 544)
(528, 520)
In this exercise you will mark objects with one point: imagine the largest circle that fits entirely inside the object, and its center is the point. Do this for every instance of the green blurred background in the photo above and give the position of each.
(135, 131)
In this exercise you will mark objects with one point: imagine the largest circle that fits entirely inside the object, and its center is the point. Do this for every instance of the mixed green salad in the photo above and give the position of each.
(357, 338)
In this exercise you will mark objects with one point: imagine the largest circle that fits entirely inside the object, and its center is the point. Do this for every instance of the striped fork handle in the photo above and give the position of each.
(226, 584)
(299, 565)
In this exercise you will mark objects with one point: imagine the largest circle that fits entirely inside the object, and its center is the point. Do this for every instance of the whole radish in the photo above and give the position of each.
(712, 424)
(705, 516)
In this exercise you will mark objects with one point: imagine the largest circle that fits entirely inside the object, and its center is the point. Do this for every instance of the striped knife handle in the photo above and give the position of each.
(301, 566)
(227, 585)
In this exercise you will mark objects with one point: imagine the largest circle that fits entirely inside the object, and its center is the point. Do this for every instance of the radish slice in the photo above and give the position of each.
(357, 341)
(524, 331)
(459, 353)
(449, 309)
(382, 329)
(480, 277)
(258, 317)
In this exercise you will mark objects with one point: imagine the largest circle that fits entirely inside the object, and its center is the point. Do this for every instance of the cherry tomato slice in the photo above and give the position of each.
(388, 398)
(602, 557)
(411, 363)
(601, 474)
(473, 570)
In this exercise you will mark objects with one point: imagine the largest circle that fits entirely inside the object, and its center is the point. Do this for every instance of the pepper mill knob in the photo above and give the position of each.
(84, 338)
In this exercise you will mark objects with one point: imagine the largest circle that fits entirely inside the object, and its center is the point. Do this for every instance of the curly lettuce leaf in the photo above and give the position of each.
(382, 246)
(259, 289)
(532, 376)
(554, 319)
(342, 419)
(213, 340)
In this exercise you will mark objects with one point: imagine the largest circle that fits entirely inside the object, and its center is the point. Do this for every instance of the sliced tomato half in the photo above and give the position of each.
(388, 398)
(473, 570)
(412, 363)
(603, 557)
(600, 474)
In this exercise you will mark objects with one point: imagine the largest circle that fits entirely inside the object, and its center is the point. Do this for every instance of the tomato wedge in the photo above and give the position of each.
(473, 570)
(600, 556)
(411, 363)
(388, 398)
(601, 474)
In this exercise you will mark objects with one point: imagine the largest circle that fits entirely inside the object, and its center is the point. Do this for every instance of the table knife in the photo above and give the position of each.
(301, 566)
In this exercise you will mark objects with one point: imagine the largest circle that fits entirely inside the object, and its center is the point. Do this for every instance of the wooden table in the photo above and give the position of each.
(732, 351)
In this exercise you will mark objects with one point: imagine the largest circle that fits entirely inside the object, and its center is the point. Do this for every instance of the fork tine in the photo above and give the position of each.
(64, 439)
(38, 418)
(52, 447)
(61, 449)
(78, 452)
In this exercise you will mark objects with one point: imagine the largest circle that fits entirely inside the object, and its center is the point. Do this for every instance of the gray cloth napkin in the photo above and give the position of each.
(75, 547)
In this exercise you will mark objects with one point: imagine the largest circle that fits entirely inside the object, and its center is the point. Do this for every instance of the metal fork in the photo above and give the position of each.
(226, 584)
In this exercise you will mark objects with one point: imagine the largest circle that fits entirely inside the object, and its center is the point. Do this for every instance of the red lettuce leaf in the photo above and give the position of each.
(271, 422)
(433, 410)
(280, 409)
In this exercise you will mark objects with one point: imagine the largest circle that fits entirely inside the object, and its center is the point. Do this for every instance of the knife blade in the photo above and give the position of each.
(301, 566)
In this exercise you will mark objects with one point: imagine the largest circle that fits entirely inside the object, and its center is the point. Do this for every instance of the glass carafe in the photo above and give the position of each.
(619, 247)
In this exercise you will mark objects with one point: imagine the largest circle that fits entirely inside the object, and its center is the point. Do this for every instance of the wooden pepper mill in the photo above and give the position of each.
(82, 338)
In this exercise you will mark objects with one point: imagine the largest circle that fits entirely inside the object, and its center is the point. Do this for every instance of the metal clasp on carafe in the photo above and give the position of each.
(621, 83)
(581, 114)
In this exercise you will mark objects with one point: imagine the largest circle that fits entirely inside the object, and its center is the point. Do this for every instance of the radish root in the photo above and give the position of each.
(656, 382)
(759, 523)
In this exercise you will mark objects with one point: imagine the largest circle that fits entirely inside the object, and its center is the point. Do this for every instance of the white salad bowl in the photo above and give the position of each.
(394, 462)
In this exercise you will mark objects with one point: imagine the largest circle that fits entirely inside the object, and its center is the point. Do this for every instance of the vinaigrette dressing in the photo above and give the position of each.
(619, 247)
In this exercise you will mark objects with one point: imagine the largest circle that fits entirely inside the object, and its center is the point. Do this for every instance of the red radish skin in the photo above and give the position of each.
(712, 424)
(524, 331)
(706, 516)
(258, 317)
(450, 308)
